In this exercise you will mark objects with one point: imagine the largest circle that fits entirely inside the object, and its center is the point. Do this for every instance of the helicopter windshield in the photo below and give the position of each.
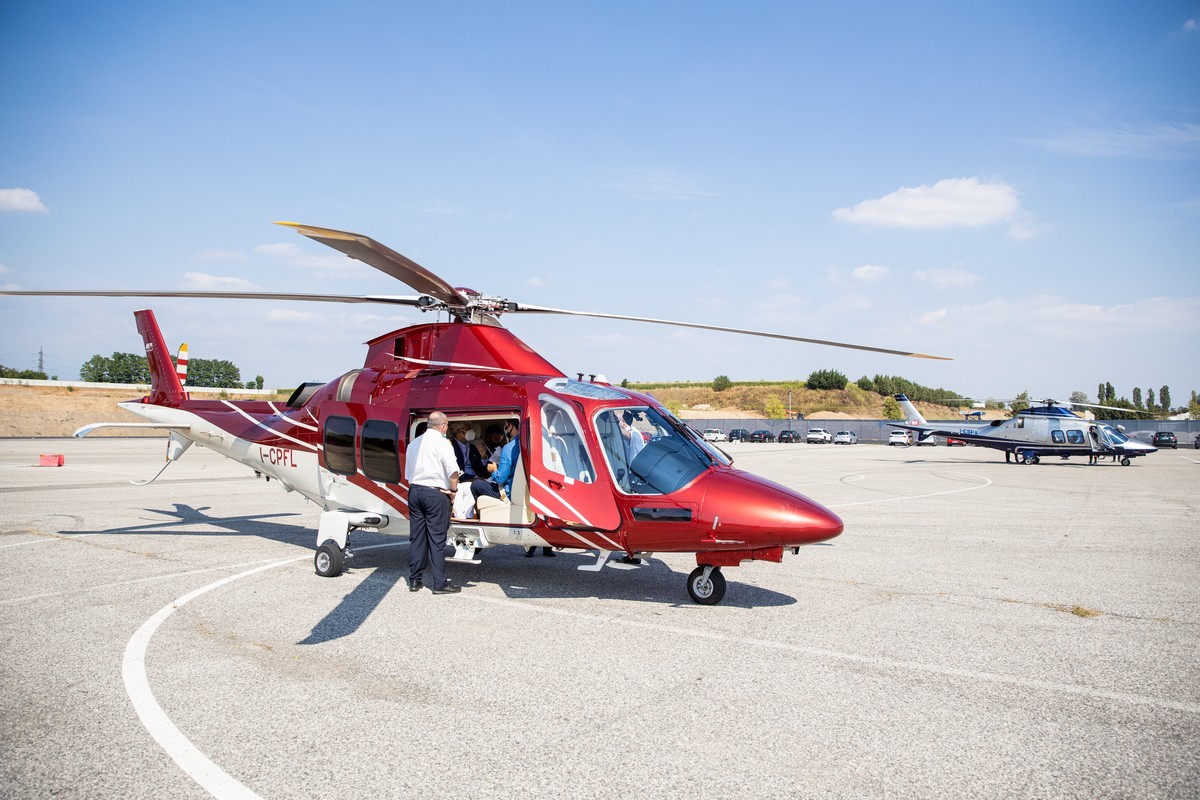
(646, 453)
(1114, 435)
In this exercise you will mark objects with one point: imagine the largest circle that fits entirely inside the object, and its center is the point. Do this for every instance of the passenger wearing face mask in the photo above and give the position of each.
(470, 462)
(504, 468)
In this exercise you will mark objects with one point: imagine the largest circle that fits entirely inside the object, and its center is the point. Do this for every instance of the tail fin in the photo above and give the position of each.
(181, 362)
(165, 389)
(910, 411)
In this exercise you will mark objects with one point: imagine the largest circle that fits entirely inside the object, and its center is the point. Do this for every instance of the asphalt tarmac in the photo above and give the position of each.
(981, 629)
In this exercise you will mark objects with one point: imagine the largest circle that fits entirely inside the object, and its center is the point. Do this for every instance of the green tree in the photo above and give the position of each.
(1019, 404)
(1150, 400)
(258, 381)
(721, 383)
(866, 384)
(213, 373)
(1079, 396)
(891, 409)
(1110, 393)
(774, 408)
(117, 368)
(826, 379)
(1100, 394)
(1164, 400)
(1137, 397)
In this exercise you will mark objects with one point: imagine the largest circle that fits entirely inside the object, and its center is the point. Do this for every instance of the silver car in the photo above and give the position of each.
(845, 437)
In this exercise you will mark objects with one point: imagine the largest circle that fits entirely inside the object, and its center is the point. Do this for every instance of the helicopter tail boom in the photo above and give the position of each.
(165, 388)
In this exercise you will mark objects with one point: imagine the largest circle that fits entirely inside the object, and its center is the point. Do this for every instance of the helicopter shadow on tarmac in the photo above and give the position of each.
(185, 519)
(526, 579)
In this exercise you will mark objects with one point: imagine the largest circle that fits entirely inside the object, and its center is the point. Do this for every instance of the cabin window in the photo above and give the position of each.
(1058, 437)
(1075, 437)
(380, 461)
(563, 450)
(339, 445)
(646, 453)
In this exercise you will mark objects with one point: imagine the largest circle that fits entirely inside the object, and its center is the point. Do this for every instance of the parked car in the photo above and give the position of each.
(1197, 442)
(845, 437)
(762, 435)
(739, 435)
(1165, 439)
(793, 436)
(952, 442)
(818, 436)
(715, 435)
(903, 438)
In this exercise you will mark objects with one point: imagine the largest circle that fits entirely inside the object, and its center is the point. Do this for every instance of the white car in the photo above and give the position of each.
(903, 438)
(714, 435)
(845, 437)
(818, 436)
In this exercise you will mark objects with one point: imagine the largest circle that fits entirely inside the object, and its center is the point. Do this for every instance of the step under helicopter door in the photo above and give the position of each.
(564, 483)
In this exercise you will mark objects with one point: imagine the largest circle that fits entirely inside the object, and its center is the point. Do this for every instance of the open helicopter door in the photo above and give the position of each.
(564, 485)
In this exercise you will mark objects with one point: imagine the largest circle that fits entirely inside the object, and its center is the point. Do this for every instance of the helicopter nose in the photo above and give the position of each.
(748, 508)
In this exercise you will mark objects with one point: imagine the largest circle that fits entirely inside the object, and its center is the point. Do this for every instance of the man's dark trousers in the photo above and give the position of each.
(428, 522)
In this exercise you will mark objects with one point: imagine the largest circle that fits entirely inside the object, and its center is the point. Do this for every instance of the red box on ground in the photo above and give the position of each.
(51, 460)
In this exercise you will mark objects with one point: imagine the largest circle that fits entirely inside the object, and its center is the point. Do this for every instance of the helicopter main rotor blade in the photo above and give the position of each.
(384, 259)
(528, 309)
(316, 298)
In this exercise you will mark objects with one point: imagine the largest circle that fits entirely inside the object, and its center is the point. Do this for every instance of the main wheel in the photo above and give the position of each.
(328, 561)
(1125, 462)
(706, 590)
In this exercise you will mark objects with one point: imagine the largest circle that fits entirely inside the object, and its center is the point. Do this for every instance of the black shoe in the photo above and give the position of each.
(415, 585)
(448, 588)
(530, 551)
(548, 552)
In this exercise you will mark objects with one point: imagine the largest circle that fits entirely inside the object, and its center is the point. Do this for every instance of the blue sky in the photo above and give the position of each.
(1014, 185)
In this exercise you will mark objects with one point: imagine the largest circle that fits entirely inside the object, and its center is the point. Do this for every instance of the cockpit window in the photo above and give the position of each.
(1114, 435)
(563, 450)
(648, 453)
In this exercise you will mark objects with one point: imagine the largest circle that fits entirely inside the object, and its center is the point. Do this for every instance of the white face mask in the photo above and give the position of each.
(470, 437)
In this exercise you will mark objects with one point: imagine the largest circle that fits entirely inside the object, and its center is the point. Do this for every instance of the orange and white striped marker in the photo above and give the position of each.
(181, 364)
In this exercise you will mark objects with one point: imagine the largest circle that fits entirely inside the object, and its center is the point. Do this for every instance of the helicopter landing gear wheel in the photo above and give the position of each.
(706, 585)
(1125, 461)
(328, 561)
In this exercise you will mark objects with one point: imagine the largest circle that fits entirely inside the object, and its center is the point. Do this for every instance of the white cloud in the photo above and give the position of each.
(21, 200)
(930, 317)
(779, 283)
(949, 203)
(659, 186)
(953, 278)
(536, 282)
(291, 315)
(339, 265)
(1191, 26)
(1160, 142)
(869, 273)
(205, 282)
(1053, 316)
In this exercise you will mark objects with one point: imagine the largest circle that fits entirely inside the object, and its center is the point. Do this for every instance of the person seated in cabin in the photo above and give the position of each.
(493, 440)
(502, 469)
(470, 461)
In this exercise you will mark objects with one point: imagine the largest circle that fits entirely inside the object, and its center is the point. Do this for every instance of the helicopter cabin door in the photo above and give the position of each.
(563, 484)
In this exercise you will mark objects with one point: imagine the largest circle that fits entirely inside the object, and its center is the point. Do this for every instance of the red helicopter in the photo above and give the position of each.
(601, 469)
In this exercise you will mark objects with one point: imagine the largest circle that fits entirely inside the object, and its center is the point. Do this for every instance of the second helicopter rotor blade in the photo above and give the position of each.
(384, 259)
(530, 309)
(218, 295)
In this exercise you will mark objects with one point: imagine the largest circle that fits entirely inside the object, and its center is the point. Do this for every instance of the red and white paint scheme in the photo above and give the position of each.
(581, 481)
(181, 362)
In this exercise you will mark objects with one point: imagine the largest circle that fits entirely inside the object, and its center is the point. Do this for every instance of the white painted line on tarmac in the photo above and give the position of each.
(987, 482)
(214, 780)
(22, 544)
(857, 658)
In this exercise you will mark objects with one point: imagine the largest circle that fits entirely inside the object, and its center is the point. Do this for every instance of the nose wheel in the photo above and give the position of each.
(706, 585)
(328, 560)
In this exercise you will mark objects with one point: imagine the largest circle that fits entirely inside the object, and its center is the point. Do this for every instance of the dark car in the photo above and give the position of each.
(739, 435)
(762, 436)
(1197, 442)
(789, 436)
(1165, 439)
